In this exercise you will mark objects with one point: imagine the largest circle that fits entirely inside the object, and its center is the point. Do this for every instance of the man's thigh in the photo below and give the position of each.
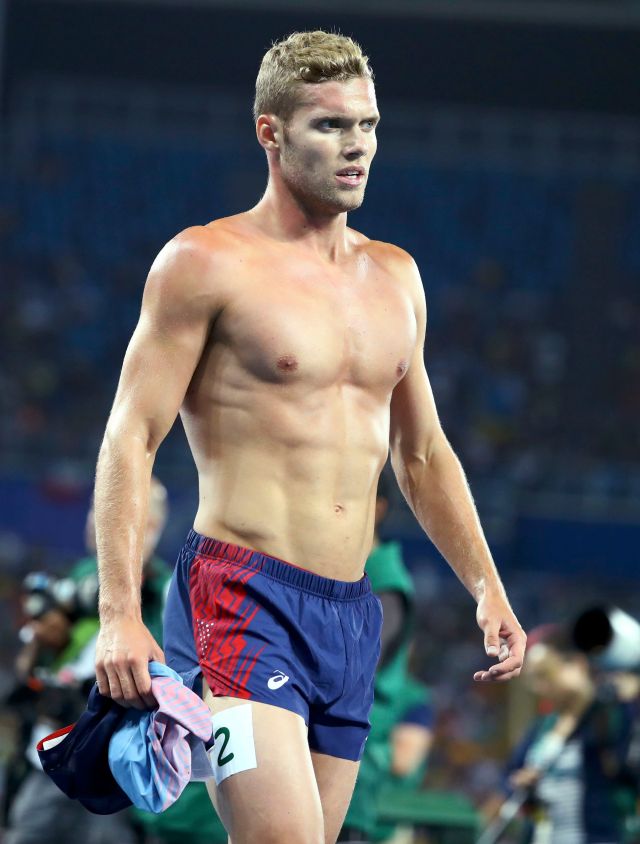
(336, 779)
(278, 800)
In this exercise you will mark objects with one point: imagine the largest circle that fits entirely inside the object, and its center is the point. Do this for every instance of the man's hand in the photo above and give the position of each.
(503, 637)
(123, 651)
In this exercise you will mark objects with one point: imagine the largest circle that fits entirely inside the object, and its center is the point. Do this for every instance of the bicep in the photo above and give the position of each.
(414, 417)
(165, 348)
(155, 375)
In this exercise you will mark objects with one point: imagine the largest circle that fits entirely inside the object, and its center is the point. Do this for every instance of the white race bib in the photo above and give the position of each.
(233, 749)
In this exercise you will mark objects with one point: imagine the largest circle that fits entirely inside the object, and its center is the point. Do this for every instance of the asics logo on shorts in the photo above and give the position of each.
(278, 679)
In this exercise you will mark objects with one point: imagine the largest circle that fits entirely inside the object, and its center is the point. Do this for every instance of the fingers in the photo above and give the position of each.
(509, 666)
(142, 681)
(492, 640)
(123, 651)
(102, 680)
(510, 655)
(123, 680)
(494, 647)
(117, 680)
(500, 672)
(504, 640)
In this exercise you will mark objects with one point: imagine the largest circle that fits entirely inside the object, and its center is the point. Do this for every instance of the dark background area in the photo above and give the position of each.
(433, 61)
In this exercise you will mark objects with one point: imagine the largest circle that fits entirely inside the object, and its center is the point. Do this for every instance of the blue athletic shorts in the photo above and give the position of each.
(261, 629)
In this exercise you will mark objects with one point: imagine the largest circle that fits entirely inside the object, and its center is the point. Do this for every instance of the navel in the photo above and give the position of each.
(287, 363)
(402, 367)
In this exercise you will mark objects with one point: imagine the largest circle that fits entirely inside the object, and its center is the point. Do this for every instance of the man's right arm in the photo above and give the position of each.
(179, 305)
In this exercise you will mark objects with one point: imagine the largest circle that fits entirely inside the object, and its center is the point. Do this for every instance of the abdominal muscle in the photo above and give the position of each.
(289, 475)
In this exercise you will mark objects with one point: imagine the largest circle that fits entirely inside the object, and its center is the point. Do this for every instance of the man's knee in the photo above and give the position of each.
(289, 830)
(297, 821)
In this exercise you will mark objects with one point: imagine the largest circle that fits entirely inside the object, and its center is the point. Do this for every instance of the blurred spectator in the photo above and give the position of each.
(500, 257)
(155, 572)
(391, 582)
(54, 670)
(192, 815)
(411, 739)
(571, 767)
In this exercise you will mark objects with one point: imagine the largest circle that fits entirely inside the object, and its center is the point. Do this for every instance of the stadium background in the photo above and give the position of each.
(509, 166)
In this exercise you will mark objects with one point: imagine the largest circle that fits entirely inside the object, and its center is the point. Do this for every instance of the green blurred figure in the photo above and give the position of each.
(411, 739)
(155, 572)
(54, 670)
(190, 818)
(396, 750)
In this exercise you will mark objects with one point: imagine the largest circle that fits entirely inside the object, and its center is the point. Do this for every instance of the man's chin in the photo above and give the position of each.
(334, 202)
(349, 202)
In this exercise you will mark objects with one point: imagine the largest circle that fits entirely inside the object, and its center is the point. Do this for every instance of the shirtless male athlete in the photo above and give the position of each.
(292, 346)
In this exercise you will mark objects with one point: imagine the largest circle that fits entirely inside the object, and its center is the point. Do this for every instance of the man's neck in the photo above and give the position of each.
(285, 218)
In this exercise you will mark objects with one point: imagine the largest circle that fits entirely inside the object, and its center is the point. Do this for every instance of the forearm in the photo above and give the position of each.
(437, 491)
(121, 501)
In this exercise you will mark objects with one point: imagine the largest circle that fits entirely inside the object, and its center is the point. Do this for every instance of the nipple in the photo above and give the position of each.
(287, 363)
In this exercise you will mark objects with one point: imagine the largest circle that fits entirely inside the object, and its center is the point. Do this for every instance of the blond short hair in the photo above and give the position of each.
(305, 57)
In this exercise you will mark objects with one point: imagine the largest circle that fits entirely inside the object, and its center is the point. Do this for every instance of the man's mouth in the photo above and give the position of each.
(353, 176)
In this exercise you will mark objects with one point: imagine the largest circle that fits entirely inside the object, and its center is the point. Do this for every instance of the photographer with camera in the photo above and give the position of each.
(570, 771)
(55, 669)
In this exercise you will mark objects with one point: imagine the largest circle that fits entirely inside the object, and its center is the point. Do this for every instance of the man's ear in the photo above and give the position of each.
(268, 131)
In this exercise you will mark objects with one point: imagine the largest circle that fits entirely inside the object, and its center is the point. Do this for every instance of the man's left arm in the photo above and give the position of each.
(435, 487)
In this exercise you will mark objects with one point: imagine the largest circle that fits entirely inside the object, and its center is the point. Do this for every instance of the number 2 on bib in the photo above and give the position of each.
(222, 760)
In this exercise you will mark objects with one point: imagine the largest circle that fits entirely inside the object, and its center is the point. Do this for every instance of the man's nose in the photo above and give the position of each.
(355, 146)
(355, 152)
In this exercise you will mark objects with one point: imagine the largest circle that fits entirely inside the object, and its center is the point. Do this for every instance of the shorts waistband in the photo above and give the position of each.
(308, 581)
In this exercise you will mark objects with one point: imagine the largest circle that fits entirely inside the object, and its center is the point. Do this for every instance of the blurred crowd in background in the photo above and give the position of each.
(528, 340)
(532, 273)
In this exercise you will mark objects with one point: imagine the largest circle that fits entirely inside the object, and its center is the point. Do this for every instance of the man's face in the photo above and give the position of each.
(329, 143)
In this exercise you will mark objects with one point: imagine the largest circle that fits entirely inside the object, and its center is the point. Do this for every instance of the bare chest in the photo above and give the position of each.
(319, 332)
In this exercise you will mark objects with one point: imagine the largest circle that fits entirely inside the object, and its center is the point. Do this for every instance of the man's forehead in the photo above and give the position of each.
(339, 97)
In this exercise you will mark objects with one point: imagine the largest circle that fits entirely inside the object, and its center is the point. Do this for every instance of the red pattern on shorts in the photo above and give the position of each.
(221, 613)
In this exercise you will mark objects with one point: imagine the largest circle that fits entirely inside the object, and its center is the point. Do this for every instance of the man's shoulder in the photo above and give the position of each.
(400, 267)
(209, 242)
(195, 262)
(388, 255)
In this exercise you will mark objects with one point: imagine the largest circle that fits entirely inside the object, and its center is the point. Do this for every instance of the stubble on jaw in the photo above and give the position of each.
(321, 199)
(316, 195)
